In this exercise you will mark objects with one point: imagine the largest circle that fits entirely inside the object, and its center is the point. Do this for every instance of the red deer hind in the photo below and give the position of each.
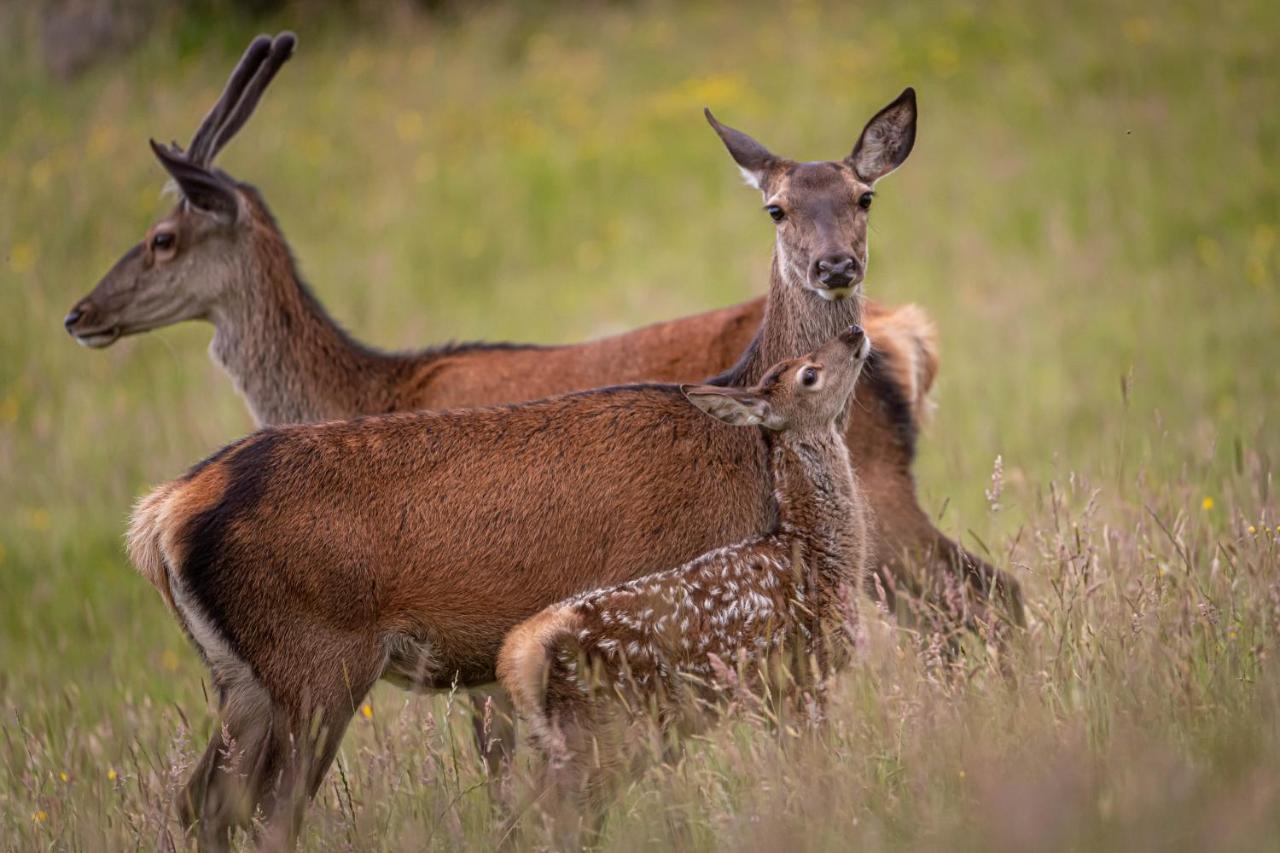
(588, 675)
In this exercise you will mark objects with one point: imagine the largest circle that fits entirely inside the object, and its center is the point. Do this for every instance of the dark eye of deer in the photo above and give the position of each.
(809, 377)
(864, 201)
(776, 213)
(162, 241)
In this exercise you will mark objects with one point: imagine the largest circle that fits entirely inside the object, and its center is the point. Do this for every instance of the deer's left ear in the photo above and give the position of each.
(753, 159)
(201, 187)
(886, 140)
(734, 406)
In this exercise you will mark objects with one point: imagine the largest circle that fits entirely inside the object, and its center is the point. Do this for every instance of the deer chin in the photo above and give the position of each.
(99, 339)
(835, 294)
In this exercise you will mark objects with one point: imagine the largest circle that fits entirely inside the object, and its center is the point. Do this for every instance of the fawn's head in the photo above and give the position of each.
(821, 207)
(190, 257)
(802, 394)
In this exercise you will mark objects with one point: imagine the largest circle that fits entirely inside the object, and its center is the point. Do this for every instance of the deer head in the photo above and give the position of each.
(188, 259)
(821, 208)
(803, 394)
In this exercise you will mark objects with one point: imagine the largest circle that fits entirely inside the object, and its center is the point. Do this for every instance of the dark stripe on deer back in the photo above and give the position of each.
(208, 569)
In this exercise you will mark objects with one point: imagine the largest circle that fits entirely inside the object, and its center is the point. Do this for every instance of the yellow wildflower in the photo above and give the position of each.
(410, 126)
(112, 775)
(22, 256)
(40, 816)
(64, 777)
(1207, 503)
(366, 711)
(1252, 530)
(35, 518)
(1137, 30)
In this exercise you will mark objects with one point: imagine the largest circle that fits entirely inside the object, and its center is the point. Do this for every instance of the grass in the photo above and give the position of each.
(1092, 215)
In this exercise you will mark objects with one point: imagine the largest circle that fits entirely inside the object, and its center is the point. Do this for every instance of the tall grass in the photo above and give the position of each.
(1091, 214)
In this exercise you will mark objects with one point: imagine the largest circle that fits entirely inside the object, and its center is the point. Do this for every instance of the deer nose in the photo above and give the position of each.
(73, 317)
(836, 270)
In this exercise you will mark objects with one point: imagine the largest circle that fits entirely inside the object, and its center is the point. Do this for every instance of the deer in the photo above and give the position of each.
(219, 256)
(308, 561)
(592, 674)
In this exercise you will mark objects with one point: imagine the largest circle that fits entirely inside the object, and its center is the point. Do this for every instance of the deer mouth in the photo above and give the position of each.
(98, 338)
(836, 294)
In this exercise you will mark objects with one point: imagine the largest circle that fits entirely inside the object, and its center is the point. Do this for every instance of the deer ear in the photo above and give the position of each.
(732, 405)
(202, 188)
(886, 140)
(752, 158)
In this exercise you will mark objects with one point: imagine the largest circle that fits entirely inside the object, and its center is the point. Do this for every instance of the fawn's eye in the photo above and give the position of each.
(864, 200)
(162, 241)
(809, 377)
(776, 213)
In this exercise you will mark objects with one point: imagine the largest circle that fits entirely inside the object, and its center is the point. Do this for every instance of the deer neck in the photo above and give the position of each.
(818, 501)
(288, 359)
(796, 321)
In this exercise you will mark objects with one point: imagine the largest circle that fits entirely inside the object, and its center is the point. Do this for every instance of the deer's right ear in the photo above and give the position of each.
(731, 405)
(886, 140)
(199, 186)
(752, 158)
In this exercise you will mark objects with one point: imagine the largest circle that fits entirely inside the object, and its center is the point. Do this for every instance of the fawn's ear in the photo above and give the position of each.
(734, 406)
(886, 140)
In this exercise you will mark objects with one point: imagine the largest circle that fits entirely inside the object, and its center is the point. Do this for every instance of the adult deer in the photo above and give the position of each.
(219, 256)
(592, 674)
(308, 561)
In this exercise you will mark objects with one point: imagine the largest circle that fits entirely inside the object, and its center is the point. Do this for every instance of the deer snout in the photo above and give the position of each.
(853, 336)
(837, 270)
(83, 324)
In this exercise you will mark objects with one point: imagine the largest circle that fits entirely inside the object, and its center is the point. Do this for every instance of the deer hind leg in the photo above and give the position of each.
(272, 747)
(596, 754)
(220, 794)
(305, 733)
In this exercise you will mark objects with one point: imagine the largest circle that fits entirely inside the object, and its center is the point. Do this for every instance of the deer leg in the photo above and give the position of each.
(219, 796)
(954, 588)
(304, 735)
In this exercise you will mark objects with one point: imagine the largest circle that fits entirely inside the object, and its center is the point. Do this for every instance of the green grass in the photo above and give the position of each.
(1091, 213)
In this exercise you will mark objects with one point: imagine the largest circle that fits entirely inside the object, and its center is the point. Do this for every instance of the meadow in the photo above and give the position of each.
(1091, 215)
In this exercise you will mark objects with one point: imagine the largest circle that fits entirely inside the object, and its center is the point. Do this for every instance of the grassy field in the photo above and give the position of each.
(1091, 213)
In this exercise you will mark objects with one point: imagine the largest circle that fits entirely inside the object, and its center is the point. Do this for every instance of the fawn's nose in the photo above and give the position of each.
(836, 270)
(854, 338)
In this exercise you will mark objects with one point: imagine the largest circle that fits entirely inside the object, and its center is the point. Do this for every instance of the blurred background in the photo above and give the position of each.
(1091, 215)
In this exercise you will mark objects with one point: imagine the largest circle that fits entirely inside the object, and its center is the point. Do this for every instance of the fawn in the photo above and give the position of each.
(583, 671)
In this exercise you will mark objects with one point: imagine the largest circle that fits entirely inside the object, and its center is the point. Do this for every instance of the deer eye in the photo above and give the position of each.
(864, 200)
(161, 241)
(809, 377)
(776, 213)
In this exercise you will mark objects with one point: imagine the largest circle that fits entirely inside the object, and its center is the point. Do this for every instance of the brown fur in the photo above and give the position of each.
(652, 644)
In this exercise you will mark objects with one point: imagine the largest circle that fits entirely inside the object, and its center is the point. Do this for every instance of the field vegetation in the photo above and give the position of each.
(1091, 214)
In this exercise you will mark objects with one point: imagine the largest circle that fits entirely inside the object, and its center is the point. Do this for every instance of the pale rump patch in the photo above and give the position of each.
(241, 692)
